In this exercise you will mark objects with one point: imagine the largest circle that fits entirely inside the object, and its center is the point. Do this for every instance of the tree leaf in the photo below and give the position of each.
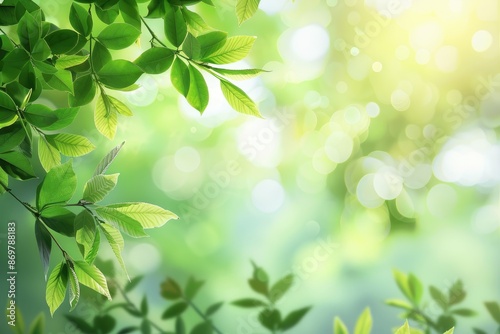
(248, 302)
(17, 165)
(81, 324)
(440, 298)
(11, 137)
(170, 289)
(399, 303)
(175, 26)
(144, 306)
(191, 47)
(155, 60)
(61, 80)
(270, 319)
(80, 19)
(238, 74)
(192, 288)
(180, 328)
(238, 99)
(74, 287)
(116, 243)
(70, 145)
(364, 323)
(7, 108)
(119, 73)
(118, 36)
(148, 215)
(105, 119)
(85, 90)
(245, 9)
(211, 42)
(145, 327)
(44, 243)
(85, 232)
(59, 219)
(13, 63)
(125, 223)
(416, 288)
(67, 61)
(100, 56)
(62, 41)
(464, 312)
(133, 283)
(105, 323)
(450, 331)
(339, 327)
(58, 186)
(195, 22)
(405, 329)
(38, 325)
(402, 283)
(107, 160)
(28, 31)
(98, 187)
(65, 117)
(203, 328)
(235, 48)
(198, 90)
(56, 287)
(174, 310)
(40, 116)
(92, 277)
(494, 310)
(280, 288)
(180, 76)
(213, 308)
(293, 318)
(119, 106)
(130, 13)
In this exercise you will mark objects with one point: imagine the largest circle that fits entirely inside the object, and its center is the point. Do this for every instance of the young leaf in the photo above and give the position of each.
(119, 73)
(180, 76)
(238, 74)
(148, 215)
(107, 160)
(405, 329)
(170, 289)
(402, 282)
(98, 187)
(105, 118)
(38, 325)
(118, 36)
(339, 327)
(364, 323)
(127, 224)
(198, 90)
(85, 232)
(44, 243)
(293, 318)
(56, 287)
(80, 19)
(238, 99)
(213, 308)
(92, 277)
(67, 61)
(116, 242)
(175, 26)
(195, 22)
(245, 9)
(70, 145)
(119, 106)
(236, 48)
(74, 287)
(399, 303)
(155, 60)
(58, 186)
(174, 310)
(416, 288)
(280, 288)
(494, 310)
(133, 283)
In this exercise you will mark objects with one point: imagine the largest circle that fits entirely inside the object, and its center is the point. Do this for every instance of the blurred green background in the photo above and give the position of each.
(378, 150)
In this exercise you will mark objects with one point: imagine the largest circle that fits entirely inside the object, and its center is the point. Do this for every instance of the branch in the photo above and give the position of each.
(152, 33)
(198, 311)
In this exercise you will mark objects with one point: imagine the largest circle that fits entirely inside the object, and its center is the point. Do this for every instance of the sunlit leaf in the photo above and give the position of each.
(56, 287)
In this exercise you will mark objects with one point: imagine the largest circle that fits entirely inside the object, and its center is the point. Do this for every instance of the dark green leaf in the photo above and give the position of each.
(107, 16)
(249, 302)
(175, 26)
(60, 220)
(478, 331)
(44, 243)
(174, 310)
(81, 324)
(191, 47)
(133, 283)
(40, 115)
(213, 308)
(270, 319)
(118, 36)
(180, 76)
(280, 288)
(456, 293)
(438, 297)
(211, 42)
(11, 136)
(293, 318)
(7, 108)
(192, 288)
(58, 186)
(180, 328)
(28, 31)
(119, 73)
(80, 19)
(130, 13)
(494, 310)
(62, 40)
(13, 63)
(127, 330)
(133, 311)
(155, 60)
(41, 50)
(198, 90)
(38, 325)
(464, 312)
(170, 289)
(105, 323)
(156, 9)
(100, 56)
(17, 165)
(144, 306)
(145, 327)
(445, 322)
(203, 328)
(85, 90)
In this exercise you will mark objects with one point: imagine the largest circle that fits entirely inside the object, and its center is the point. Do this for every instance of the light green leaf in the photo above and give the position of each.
(92, 277)
(238, 99)
(118, 36)
(245, 9)
(211, 42)
(107, 160)
(67, 61)
(61, 80)
(175, 26)
(195, 22)
(450, 331)
(180, 76)
(85, 232)
(116, 242)
(402, 282)
(280, 288)
(38, 325)
(98, 187)
(122, 221)
(105, 119)
(41, 50)
(239, 74)
(70, 145)
(198, 90)
(364, 323)
(74, 287)
(399, 303)
(119, 106)
(56, 287)
(91, 255)
(119, 73)
(416, 288)
(58, 186)
(49, 156)
(405, 329)
(155, 60)
(339, 327)
(148, 215)
(235, 49)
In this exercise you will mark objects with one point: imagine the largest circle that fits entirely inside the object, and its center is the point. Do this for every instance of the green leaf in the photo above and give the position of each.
(145, 327)
(192, 288)
(40, 115)
(235, 48)
(62, 41)
(238, 99)
(100, 56)
(28, 31)
(109, 15)
(92, 278)
(130, 13)
(4, 180)
(191, 47)
(44, 243)
(293, 318)
(148, 215)
(74, 287)
(364, 323)
(80, 19)
(198, 90)
(107, 160)
(98, 187)
(155, 60)
(133, 283)
(174, 310)
(105, 323)
(270, 319)
(180, 328)
(58, 186)
(85, 232)
(60, 220)
(211, 42)
(280, 288)
(339, 327)
(494, 310)
(456, 293)
(248, 303)
(245, 9)
(170, 289)
(180, 76)
(416, 288)
(56, 287)
(116, 242)
(175, 26)
(119, 73)
(156, 9)
(402, 282)
(61, 80)
(144, 306)
(17, 165)
(213, 308)
(85, 90)
(399, 303)
(405, 329)
(7, 108)
(105, 119)
(203, 328)
(41, 50)
(195, 22)
(118, 36)
(67, 61)
(13, 63)
(440, 298)
(70, 145)
(238, 74)
(464, 312)
(38, 325)
(450, 331)
(11, 137)
(125, 223)
(80, 324)
(119, 106)
(49, 156)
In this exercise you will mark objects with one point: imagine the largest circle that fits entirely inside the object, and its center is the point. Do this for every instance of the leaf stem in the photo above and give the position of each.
(198, 311)
(152, 33)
